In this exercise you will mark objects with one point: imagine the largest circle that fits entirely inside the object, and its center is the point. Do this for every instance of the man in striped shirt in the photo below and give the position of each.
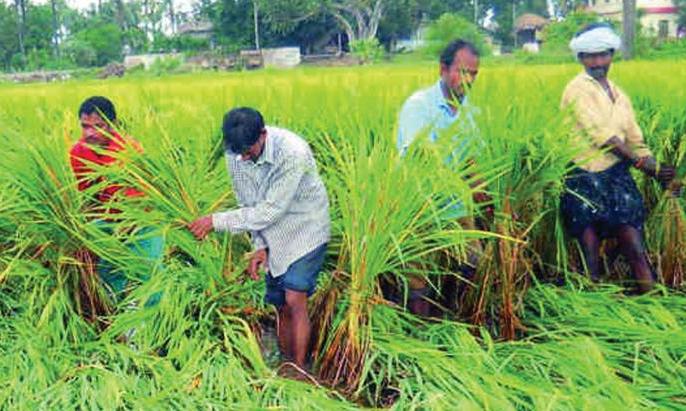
(285, 207)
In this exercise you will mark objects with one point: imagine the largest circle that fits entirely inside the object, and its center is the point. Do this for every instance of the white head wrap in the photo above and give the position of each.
(595, 40)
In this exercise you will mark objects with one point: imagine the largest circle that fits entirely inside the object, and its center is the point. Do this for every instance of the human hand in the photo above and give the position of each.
(257, 260)
(201, 227)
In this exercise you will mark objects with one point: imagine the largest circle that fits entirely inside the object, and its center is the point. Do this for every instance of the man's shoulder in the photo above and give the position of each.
(574, 88)
(79, 148)
(420, 98)
(581, 79)
(287, 142)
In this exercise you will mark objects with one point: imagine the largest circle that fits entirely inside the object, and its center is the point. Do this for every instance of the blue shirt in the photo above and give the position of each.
(427, 111)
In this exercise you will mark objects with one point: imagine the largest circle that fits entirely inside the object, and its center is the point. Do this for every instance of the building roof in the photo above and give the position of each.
(196, 27)
(529, 21)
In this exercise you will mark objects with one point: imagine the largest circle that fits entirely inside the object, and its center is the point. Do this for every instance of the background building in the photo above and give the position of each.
(657, 17)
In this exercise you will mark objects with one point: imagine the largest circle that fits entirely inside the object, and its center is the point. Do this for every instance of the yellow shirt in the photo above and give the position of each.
(598, 119)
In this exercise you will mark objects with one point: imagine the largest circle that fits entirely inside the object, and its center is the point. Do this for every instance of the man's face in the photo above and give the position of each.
(254, 151)
(597, 64)
(460, 75)
(95, 130)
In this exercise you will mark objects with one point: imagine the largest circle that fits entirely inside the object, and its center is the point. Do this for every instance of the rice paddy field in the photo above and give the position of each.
(526, 332)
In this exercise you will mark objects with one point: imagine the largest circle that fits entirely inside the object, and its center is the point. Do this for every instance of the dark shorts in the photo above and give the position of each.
(301, 276)
(605, 201)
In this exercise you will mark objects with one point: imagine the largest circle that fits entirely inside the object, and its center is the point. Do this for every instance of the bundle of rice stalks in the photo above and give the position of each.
(392, 214)
(665, 130)
(525, 195)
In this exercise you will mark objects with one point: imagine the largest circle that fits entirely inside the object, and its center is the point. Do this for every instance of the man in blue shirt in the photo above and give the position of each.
(439, 107)
(434, 112)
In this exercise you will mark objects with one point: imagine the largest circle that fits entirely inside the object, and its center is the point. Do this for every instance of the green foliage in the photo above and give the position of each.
(167, 65)
(233, 22)
(450, 27)
(681, 4)
(580, 345)
(8, 35)
(81, 52)
(105, 40)
(367, 50)
(38, 27)
(187, 44)
(557, 35)
(649, 46)
(399, 22)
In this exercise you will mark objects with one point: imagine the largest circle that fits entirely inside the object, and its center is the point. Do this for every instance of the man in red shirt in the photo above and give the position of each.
(99, 146)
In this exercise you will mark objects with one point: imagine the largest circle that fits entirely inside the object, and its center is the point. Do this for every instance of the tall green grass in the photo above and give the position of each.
(575, 346)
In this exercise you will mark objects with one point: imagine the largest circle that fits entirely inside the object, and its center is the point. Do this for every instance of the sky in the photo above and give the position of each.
(180, 5)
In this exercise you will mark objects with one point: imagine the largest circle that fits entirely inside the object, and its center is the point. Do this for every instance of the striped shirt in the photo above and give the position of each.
(283, 201)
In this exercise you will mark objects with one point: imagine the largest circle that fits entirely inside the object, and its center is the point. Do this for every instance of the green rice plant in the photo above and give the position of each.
(666, 228)
(577, 346)
(390, 217)
(526, 193)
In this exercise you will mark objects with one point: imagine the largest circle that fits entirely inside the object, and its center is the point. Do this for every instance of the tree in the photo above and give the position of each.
(55, 29)
(153, 12)
(172, 15)
(81, 53)
(557, 35)
(629, 28)
(106, 41)
(9, 38)
(256, 22)
(450, 27)
(38, 34)
(433, 9)
(359, 19)
(681, 6)
(232, 20)
(401, 19)
(20, 6)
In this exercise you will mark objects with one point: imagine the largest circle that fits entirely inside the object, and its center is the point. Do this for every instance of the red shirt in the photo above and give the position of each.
(84, 155)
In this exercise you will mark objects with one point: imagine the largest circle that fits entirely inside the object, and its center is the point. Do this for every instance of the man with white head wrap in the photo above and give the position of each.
(601, 198)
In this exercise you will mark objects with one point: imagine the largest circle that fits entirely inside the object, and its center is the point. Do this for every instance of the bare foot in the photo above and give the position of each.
(293, 372)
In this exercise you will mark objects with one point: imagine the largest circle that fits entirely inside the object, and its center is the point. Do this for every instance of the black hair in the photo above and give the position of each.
(242, 128)
(99, 105)
(448, 54)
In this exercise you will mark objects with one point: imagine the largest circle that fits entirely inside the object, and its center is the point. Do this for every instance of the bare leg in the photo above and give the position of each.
(417, 302)
(419, 306)
(631, 246)
(299, 332)
(284, 333)
(590, 244)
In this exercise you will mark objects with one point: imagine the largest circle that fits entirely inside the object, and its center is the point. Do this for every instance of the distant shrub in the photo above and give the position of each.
(449, 27)
(367, 50)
